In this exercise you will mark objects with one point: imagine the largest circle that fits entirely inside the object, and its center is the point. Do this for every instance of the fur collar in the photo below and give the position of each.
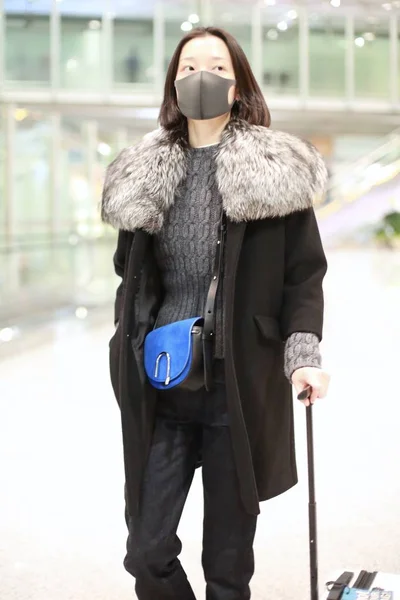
(261, 173)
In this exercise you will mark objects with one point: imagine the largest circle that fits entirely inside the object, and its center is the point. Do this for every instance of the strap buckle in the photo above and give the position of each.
(168, 357)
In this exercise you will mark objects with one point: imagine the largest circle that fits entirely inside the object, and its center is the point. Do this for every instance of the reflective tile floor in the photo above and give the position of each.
(62, 531)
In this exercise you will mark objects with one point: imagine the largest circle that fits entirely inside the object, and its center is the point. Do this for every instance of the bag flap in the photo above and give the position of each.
(174, 339)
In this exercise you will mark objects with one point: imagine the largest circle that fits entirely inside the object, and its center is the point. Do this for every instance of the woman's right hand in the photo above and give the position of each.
(316, 378)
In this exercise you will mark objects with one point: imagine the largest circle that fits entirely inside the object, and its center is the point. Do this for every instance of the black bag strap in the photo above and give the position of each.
(210, 306)
(336, 588)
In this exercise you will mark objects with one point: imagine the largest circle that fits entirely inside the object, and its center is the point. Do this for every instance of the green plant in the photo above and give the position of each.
(388, 230)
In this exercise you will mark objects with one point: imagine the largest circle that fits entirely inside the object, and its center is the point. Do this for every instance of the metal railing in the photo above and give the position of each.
(358, 178)
(44, 274)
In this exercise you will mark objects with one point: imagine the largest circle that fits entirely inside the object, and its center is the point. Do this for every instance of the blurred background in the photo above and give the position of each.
(80, 80)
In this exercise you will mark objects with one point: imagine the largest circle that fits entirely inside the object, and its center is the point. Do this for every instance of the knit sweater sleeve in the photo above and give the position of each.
(301, 350)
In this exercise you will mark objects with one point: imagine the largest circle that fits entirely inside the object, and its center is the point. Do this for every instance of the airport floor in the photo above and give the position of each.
(62, 529)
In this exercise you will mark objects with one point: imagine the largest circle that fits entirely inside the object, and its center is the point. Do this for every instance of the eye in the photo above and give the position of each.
(219, 68)
(188, 68)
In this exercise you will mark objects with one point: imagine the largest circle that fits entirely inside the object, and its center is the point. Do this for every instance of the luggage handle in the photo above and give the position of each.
(312, 505)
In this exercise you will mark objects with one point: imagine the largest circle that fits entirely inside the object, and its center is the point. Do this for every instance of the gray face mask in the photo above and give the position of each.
(204, 95)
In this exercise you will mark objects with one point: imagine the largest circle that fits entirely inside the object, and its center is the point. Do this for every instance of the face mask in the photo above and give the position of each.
(204, 95)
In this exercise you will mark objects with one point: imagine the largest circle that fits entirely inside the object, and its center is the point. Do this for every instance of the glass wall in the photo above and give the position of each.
(236, 18)
(82, 49)
(32, 207)
(133, 57)
(59, 254)
(327, 55)
(77, 196)
(109, 45)
(372, 57)
(27, 44)
(179, 19)
(280, 50)
(2, 172)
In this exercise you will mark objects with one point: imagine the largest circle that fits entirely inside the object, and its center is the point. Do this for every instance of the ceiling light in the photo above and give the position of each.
(104, 149)
(387, 6)
(335, 3)
(396, 4)
(194, 19)
(369, 36)
(94, 24)
(270, 2)
(6, 334)
(360, 42)
(20, 114)
(186, 26)
(292, 14)
(81, 312)
(72, 64)
(282, 26)
(272, 35)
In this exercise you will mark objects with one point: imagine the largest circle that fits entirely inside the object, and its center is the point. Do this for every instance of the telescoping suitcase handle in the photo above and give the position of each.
(312, 505)
(365, 579)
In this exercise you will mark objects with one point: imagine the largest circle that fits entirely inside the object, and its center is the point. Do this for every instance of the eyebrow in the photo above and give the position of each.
(212, 58)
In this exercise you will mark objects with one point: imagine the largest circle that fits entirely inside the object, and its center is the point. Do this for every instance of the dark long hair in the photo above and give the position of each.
(251, 107)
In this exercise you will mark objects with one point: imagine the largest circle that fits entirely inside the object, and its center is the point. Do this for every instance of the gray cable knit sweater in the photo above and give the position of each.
(185, 247)
(185, 250)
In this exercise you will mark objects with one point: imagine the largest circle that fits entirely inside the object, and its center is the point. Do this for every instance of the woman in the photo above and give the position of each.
(213, 153)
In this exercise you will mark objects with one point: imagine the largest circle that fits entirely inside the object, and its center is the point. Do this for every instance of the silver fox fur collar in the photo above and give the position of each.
(261, 173)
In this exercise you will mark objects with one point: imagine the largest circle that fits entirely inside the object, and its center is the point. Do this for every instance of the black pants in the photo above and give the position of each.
(190, 425)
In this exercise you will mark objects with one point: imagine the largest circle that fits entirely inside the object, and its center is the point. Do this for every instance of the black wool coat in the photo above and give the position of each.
(274, 268)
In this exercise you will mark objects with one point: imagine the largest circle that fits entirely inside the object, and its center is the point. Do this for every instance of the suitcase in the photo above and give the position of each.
(348, 584)
(385, 586)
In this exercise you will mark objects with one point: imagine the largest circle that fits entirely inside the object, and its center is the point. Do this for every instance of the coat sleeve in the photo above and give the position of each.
(120, 258)
(305, 268)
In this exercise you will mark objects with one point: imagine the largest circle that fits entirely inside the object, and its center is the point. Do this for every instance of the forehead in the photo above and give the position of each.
(208, 46)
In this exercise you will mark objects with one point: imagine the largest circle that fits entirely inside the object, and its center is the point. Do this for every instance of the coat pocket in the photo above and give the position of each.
(268, 328)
